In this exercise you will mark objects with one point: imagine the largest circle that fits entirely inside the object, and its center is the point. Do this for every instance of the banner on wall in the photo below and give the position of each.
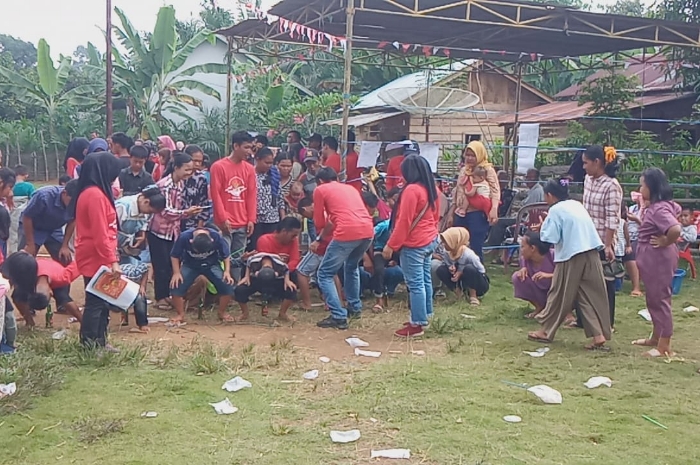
(528, 138)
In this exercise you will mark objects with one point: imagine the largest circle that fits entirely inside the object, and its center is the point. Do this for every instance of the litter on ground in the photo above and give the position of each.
(367, 353)
(644, 313)
(324, 359)
(391, 454)
(597, 381)
(311, 375)
(691, 309)
(356, 342)
(7, 389)
(149, 414)
(225, 407)
(546, 394)
(512, 419)
(538, 353)
(236, 384)
(343, 437)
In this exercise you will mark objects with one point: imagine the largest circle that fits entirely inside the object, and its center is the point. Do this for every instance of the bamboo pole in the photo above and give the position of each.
(347, 77)
(513, 139)
(46, 162)
(36, 168)
(108, 60)
(19, 151)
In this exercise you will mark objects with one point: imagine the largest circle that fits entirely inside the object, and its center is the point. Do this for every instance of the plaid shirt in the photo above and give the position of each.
(166, 224)
(602, 197)
(196, 195)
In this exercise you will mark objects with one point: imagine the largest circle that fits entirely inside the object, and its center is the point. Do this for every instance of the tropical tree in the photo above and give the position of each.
(49, 90)
(151, 76)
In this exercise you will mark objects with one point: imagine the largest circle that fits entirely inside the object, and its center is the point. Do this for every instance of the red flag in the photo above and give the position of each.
(447, 52)
(533, 56)
(382, 44)
(405, 47)
(427, 50)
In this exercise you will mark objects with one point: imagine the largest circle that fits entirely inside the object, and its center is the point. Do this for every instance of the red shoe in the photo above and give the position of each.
(409, 331)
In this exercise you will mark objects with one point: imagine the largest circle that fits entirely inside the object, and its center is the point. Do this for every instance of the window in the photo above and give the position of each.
(471, 137)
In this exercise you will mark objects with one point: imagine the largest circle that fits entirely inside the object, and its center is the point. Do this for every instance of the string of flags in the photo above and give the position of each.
(313, 36)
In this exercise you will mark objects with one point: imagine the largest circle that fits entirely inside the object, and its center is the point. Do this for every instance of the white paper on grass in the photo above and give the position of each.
(343, 437)
(124, 299)
(325, 359)
(367, 353)
(225, 407)
(512, 419)
(59, 335)
(369, 151)
(528, 139)
(691, 309)
(538, 353)
(7, 389)
(356, 342)
(546, 394)
(236, 384)
(311, 375)
(597, 381)
(644, 313)
(157, 319)
(391, 454)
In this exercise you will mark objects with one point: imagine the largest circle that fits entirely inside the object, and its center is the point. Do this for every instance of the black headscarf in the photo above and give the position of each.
(99, 169)
(416, 170)
(76, 149)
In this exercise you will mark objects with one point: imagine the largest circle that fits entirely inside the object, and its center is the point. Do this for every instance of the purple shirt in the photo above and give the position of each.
(48, 212)
(658, 218)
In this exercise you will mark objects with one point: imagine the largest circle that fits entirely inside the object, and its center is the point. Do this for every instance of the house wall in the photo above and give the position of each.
(390, 129)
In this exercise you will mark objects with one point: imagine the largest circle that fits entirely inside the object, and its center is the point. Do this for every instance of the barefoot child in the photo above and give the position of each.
(479, 195)
(199, 252)
(689, 232)
(36, 280)
(268, 274)
(658, 258)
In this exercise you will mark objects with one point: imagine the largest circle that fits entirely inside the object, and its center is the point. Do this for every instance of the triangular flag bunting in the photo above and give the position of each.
(405, 47)
(382, 44)
(427, 50)
(396, 45)
(447, 52)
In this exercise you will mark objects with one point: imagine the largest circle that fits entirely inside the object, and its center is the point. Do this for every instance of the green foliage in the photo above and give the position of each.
(627, 8)
(20, 54)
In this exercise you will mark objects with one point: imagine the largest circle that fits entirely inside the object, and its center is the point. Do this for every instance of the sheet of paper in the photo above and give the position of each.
(430, 152)
(369, 151)
(119, 292)
(528, 138)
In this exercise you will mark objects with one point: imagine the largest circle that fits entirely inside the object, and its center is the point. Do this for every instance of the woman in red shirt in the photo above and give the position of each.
(75, 154)
(414, 224)
(96, 238)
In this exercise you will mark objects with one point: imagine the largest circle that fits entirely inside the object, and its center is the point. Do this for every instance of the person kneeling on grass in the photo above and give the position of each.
(199, 252)
(461, 269)
(36, 280)
(269, 275)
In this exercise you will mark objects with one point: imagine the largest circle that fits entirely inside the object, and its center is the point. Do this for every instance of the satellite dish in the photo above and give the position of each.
(429, 101)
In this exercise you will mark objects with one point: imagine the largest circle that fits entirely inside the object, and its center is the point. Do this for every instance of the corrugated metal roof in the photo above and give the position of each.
(561, 112)
(652, 75)
(361, 120)
(415, 82)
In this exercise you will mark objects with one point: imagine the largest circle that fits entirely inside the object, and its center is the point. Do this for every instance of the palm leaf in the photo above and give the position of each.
(181, 55)
(198, 86)
(215, 68)
(63, 72)
(46, 69)
(129, 36)
(164, 40)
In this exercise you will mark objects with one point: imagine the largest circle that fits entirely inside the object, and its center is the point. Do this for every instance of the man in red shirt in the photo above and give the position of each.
(284, 244)
(234, 196)
(351, 158)
(329, 154)
(342, 206)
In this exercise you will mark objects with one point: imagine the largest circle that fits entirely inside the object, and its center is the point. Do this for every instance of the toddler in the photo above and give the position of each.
(479, 195)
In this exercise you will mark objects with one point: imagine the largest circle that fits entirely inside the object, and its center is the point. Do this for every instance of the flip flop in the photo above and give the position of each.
(541, 340)
(597, 347)
(227, 319)
(474, 302)
(656, 353)
(377, 309)
(636, 294)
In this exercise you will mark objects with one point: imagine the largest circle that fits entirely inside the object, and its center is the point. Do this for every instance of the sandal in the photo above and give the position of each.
(377, 309)
(636, 294)
(227, 319)
(542, 340)
(645, 342)
(474, 301)
(597, 347)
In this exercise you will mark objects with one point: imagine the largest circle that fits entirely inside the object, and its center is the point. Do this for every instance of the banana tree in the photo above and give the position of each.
(48, 89)
(151, 75)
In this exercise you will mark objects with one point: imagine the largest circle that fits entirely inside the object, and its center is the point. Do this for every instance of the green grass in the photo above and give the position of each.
(447, 406)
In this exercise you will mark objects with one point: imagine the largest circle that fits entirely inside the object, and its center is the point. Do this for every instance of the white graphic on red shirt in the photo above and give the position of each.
(235, 189)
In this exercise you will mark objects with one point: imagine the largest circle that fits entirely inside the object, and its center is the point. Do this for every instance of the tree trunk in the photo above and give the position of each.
(19, 152)
(43, 150)
(58, 160)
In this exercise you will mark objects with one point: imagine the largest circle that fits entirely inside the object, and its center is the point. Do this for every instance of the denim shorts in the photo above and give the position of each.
(309, 264)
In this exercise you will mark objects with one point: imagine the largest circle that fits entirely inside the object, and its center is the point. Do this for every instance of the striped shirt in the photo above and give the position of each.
(166, 225)
(602, 197)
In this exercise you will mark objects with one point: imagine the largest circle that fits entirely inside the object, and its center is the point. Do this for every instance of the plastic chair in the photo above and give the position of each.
(687, 255)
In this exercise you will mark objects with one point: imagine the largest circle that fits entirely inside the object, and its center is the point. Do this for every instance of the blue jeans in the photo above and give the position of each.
(346, 255)
(214, 274)
(141, 311)
(393, 276)
(415, 264)
(478, 226)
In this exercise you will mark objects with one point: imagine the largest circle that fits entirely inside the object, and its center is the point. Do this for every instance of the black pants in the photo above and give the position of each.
(376, 282)
(275, 288)
(162, 266)
(93, 329)
(53, 247)
(610, 288)
(471, 279)
(259, 230)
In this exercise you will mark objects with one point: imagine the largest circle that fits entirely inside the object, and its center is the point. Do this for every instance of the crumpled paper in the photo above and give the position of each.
(538, 353)
(7, 389)
(546, 394)
(391, 454)
(311, 375)
(644, 313)
(597, 381)
(343, 437)
(356, 342)
(236, 384)
(367, 353)
(225, 407)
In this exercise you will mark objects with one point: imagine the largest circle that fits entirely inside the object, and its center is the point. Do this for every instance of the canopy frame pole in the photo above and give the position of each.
(516, 123)
(347, 86)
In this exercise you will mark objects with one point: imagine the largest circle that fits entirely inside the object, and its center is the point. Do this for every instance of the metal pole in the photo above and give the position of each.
(516, 122)
(347, 76)
(108, 84)
(229, 85)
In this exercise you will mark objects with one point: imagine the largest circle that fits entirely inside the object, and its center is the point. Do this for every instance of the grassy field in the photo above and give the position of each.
(445, 406)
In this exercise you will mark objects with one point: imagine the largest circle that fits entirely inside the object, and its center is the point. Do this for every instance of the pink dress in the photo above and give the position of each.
(534, 291)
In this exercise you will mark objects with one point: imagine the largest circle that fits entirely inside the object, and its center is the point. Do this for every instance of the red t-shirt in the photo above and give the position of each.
(345, 209)
(268, 244)
(333, 161)
(354, 172)
(71, 166)
(413, 198)
(393, 173)
(234, 193)
(59, 276)
(95, 232)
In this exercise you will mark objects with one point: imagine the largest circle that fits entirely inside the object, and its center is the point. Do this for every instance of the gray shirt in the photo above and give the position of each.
(534, 195)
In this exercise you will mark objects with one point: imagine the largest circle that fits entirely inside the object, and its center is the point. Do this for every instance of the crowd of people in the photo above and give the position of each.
(162, 212)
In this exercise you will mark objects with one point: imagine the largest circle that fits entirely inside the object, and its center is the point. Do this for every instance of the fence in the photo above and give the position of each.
(42, 166)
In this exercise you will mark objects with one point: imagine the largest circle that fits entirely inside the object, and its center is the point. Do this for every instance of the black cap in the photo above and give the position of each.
(315, 137)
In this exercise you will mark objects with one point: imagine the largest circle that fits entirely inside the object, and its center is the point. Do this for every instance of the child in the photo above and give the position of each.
(291, 200)
(283, 244)
(199, 252)
(461, 269)
(36, 280)
(22, 188)
(479, 195)
(628, 256)
(63, 180)
(689, 232)
(138, 273)
(658, 258)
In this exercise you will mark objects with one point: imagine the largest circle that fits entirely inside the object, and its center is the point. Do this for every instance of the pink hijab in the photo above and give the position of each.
(167, 142)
